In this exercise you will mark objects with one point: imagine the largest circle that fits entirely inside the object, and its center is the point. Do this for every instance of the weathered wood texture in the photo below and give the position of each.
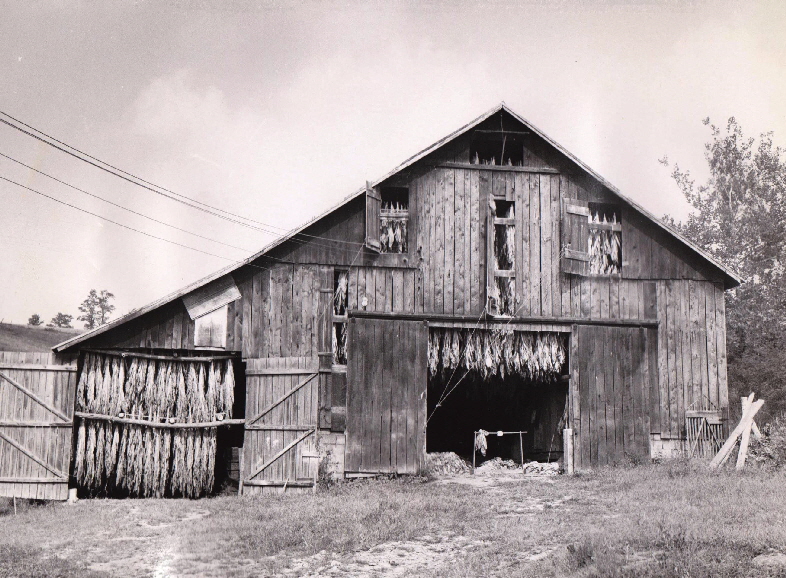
(612, 408)
(386, 401)
(35, 440)
(281, 408)
(691, 353)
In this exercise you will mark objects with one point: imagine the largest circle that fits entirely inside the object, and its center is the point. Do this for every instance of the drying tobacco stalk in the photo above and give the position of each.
(150, 461)
(534, 356)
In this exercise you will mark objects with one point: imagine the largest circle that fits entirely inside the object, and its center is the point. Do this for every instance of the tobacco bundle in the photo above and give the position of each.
(536, 356)
(150, 461)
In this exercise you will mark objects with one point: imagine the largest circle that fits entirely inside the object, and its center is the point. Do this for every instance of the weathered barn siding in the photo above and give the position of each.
(627, 382)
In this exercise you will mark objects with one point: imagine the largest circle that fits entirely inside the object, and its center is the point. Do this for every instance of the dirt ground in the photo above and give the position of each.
(651, 521)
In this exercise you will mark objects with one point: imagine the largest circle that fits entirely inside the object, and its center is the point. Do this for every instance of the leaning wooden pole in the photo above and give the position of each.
(743, 429)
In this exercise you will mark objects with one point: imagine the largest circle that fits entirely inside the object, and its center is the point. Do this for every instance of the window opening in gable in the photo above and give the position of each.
(502, 297)
(394, 220)
(604, 243)
(339, 328)
(501, 149)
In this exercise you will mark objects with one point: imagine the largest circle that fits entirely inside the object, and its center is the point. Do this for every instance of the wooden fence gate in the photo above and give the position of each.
(279, 447)
(386, 396)
(36, 425)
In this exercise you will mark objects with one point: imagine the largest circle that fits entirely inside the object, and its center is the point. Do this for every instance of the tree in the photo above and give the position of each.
(740, 217)
(96, 308)
(35, 320)
(61, 320)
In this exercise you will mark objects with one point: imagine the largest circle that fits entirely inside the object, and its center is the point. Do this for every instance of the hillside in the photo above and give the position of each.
(27, 338)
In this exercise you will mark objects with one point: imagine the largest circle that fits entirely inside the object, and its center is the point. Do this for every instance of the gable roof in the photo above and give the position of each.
(731, 278)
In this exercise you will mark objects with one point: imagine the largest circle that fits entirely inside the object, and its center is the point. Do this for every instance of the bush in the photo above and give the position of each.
(770, 451)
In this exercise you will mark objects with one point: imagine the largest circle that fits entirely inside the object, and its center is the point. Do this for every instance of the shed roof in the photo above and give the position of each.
(730, 277)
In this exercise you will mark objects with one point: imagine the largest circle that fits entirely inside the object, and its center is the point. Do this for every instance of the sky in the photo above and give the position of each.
(277, 110)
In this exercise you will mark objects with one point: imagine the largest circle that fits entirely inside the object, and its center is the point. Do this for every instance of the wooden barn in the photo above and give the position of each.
(490, 282)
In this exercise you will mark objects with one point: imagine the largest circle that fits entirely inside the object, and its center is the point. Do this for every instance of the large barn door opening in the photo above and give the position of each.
(386, 396)
(36, 424)
(282, 400)
(614, 390)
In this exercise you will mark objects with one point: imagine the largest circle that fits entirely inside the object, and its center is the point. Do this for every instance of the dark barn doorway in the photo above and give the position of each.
(462, 401)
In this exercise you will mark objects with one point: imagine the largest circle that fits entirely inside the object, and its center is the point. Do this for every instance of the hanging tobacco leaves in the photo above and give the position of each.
(146, 461)
(535, 356)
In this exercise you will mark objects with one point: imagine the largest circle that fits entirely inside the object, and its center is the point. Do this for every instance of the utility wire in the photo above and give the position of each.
(138, 181)
(121, 206)
(113, 222)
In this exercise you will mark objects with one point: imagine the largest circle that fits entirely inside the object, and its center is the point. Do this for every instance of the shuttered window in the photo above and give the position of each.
(373, 205)
(575, 237)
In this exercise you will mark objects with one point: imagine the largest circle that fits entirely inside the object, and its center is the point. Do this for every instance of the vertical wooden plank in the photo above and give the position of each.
(546, 246)
(604, 294)
(632, 396)
(534, 245)
(398, 291)
(522, 244)
(712, 346)
(409, 291)
(380, 284)
(695, 399)
(614, 297)
(683, 324)
(385, 391)
(554, 263)
(420, 379)
(652, 401)
(476, 261)
(720, 348)
(438, 257)
(388, 290)
(467, 242)
(575, 397)
(459, 274)
(594, 283)
(429, 188)
(660, 420)
(255, 320)
(600, 387)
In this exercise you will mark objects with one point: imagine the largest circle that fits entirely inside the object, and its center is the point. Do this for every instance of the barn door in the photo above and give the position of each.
(386, 396)
(36, 424)
(614, 393)
(279, 447)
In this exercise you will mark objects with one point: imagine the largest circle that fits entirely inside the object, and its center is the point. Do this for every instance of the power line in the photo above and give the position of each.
(121, 206)
(114, 222)
(120, 173)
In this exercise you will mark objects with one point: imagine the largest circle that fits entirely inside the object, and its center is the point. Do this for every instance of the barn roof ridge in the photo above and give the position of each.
(135, 313)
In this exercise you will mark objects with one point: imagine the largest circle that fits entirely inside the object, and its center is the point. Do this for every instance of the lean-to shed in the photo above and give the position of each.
(491, 281)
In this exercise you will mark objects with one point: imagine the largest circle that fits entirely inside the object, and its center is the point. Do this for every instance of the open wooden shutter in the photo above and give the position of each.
(575, 237)
(373, 203)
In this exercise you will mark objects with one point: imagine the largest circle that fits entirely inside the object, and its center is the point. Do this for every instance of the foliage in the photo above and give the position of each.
(740, 217)
(770, 450)
(35, 320)
(96, 308)
(61, 320)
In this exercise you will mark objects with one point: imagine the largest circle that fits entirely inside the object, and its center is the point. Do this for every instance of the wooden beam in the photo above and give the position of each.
(33, 480)
(747, 418)
(289, 446)
(33, 457)
(31, 367)
(118, 353)
(499, 168)
(158, 424)
(279, 484)
(34, 397)
(491, 320)
(10, 423)
(280, 427)
(281, 399)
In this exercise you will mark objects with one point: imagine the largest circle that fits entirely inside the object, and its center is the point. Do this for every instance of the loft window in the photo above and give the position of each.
(497, 148)
(339, 327)
(394, 220)
(502, 289)
(604, 243)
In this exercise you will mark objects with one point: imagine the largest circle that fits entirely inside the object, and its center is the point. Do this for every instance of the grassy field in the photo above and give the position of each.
(26, 338)
(672, 519)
